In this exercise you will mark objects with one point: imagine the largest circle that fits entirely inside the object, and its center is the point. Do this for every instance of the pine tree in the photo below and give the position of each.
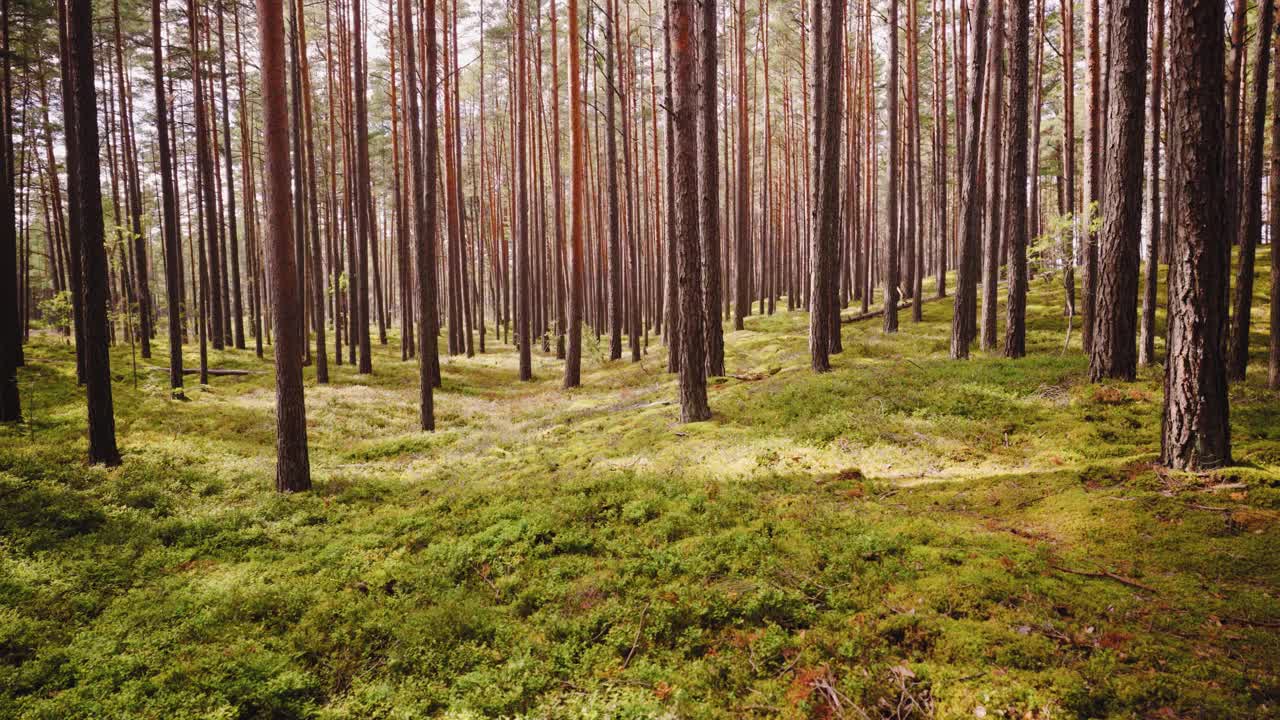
(88, 212)
(1150, 285)
(577, 200)
(1195, 432)
(1015, 195)
(1113, 353)
(1251, 198)
(10, 400)
(293, 469)
(963, 318)
(692, 366)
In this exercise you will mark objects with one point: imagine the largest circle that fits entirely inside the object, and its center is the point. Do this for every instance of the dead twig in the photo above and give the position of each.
(1211, 508)
(1251, 623)
(1108, 575)
(636, 642)
(483, 572)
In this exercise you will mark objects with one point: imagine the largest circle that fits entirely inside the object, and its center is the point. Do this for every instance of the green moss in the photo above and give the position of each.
(986, 533)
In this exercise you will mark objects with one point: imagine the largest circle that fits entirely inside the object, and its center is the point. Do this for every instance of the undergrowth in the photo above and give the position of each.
(906, 536)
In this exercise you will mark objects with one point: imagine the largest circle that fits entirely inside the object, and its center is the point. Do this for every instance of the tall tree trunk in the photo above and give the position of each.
(1273, 206)
(1069, 157)
(141, 291)
(557, 182)
(940, 148)
(316, 276)
(673, 332)
(1251, 199)
(1195, 432)
(577, 150)
(1037, 78)
(169, 201)
(205, 166)
(521, 142)
(828, 47)
(210, 286)
(423, 192)
(742, 294)
(1093, 177)
(1114, 350)
(993, 122)
(88, 209)
(1015, 194)
(1231, 145)
(611, 160)
(293, 468)
(891, 198)
(915, 222)
(300, 199)
(363, 208)
(1150, 286)
(962, 319)
(233, 240)
(709, 186)
(10, 401)
(73, 234)
(627, 80)
(692, 371)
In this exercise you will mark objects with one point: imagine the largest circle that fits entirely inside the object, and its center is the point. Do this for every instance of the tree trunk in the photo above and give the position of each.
(577, 149)
(693, 379)
(1015, 194)
(205, 167)
(673, 332)
(1114, 350)
(557, 182)
(915, 221)
(521, 142)
(293, 470)
(233, 240)
(1251, 199)
(1195, 433)
(1231, 148)
(828, 47)
(993, 123)
(363, 209)
(611, 160)
(742, 293)
(1273, 369)
(423, 192)
(10, 401)
(88, 209)
(709, 169)
(891, 198)
(133, 195)
(1093, 178)
(316, 276)
(1069, 158)
(1150, 286)
(169, 201)
(962, 319)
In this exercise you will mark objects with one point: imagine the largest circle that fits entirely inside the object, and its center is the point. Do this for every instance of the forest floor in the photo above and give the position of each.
(906, 536)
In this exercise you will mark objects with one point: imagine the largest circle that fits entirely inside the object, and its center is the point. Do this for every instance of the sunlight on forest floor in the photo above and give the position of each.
(980, 538)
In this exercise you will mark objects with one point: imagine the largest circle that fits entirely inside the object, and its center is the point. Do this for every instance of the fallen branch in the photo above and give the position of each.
(905, 305)
(1108, 575)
